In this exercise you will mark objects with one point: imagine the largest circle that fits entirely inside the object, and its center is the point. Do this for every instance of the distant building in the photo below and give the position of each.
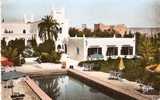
(101, 27)
(120, 28)
(84, 26)
(149, 31)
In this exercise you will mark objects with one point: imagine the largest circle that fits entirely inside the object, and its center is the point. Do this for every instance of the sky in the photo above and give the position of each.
(128, 12)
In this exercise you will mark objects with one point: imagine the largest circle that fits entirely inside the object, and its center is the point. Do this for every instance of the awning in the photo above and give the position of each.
(11, 75)
(97, 56)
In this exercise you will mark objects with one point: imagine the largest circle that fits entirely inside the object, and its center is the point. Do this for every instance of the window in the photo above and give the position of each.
(24, 31)
(5, 31)
(112, 51)
(65, 45)
(8, 31)
(77, 49)
(60, 29)
(127, 50)
(92, 51)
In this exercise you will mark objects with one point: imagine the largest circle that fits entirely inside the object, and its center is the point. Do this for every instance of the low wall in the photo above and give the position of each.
(37, 89)
(105, 87)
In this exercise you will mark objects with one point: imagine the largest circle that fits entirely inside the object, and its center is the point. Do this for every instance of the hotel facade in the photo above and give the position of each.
(78, 48)
(88, 48)
(28, 29)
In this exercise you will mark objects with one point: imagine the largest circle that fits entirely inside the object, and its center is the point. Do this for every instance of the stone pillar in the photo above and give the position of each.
(119, 51)
(134, 50)
(85, 49)
(104, 49)
(25, 42)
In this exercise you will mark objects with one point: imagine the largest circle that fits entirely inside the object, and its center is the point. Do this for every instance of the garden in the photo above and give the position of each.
(148, 51)
(16, 50)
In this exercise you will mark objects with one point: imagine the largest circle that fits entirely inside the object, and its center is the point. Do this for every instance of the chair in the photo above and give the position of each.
(114, 75)
(146, 89)
(17, 96)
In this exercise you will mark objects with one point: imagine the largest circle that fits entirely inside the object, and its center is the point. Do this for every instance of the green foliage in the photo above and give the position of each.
(3, 43)
(53, 57)
(97, 33)
(12, 55)
(33, 43)
(73, 32)
(48, 28)
(95, 64)
(130, 35)
(147, 51)
(17, 43)
(134, 70)
(13, 50)
(46, 46)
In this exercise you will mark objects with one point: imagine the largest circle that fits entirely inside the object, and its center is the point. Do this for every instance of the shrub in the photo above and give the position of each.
(12, 55)
(47, 46)
(95, 64)
(53, 57)
(17, 43)
(134, 70)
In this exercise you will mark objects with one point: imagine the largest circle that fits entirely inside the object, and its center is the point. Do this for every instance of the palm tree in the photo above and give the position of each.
(147, 50)
(48, 28)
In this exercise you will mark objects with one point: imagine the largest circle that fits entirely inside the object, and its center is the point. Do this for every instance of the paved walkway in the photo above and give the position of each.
(123, 86)
(19, 86)
(50, 68)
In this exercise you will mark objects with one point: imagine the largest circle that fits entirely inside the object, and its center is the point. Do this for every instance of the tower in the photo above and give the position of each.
(59, 16)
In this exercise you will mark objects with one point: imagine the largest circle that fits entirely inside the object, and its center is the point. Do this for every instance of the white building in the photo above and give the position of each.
(29, 29)
(84, 48)
(13, 30)
(78, 48)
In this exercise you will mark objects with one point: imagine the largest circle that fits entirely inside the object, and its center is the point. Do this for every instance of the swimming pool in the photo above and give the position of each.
(64, 87)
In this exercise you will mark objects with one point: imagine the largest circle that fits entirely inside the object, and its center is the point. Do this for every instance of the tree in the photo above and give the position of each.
(48, 28)
(33, 42)
(138, 42)
(87, 32)
(147, 51)
(17, 43)
(46, 46)
(3, 43)
(73, 32)
(156, 41)
(12, 55)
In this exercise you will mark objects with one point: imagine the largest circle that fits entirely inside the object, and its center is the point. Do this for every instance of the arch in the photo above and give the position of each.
(59, 46)
(24, 31)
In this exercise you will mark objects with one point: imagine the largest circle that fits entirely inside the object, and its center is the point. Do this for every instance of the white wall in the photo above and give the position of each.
(17, 28)
(85, 43)
(72, 46)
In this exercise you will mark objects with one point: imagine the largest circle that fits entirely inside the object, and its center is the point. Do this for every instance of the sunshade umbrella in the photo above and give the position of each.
(121, 64)
(154, 68)
(157, 69)
(12, 75)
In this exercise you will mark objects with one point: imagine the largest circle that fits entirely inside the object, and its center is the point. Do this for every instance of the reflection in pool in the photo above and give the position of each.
(67, 88)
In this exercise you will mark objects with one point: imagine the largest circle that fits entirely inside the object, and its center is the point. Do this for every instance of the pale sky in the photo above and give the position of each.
(129, 12)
